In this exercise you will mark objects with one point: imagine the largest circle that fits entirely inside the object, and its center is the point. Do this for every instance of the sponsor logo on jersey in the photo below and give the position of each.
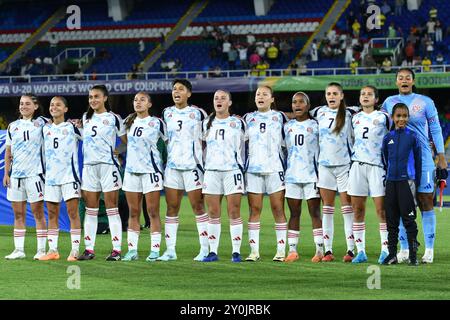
(357, 122)
(116, 184)
(252, 119)
(290, 130)
(49, 133)
(233, 124)
(198, 183)
(16, 129)
(157, 185)
(41, 195)
(105, 122)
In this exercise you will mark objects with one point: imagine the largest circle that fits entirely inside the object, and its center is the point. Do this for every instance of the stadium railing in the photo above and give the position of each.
(223, 74)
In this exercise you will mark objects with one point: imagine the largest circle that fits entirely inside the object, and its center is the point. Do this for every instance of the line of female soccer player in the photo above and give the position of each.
(318, 152)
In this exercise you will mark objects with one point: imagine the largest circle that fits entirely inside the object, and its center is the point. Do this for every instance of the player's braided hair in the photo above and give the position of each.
(342, 109)
(130, 119)
(104, 90)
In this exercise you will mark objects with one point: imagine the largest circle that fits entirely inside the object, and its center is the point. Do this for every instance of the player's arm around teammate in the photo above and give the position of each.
(62, 177)
(101, 170)
(225, 137)
(302, 142)
(367, 175)
(265, 170)
(143, 174)
(184, 170)
(24, 174)
(334, 165)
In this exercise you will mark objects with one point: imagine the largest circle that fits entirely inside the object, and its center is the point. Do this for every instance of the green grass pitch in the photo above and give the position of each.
(185, 279)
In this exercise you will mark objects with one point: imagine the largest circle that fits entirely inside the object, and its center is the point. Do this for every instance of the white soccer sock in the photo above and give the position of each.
(41, 239)
(214, 228)
(281, 232)
(318, 240)
(75, 235)
(328, 227)
(52, 238)
(359, 232)
(132, 239)
(347, 212)
(19, 239)
(253, 236)
(155, 241)
(293, 236)
(202, 228)
(171, 228)
(384, 237)
(90, 227)
(236, 230)
(115, 226)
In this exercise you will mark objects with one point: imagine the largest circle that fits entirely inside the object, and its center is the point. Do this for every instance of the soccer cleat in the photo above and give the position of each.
(39, 255)
(114, 256)
(202, 255)
(131, 256)
(152, 256)
(51, 255)
(317, 257)
(279, 257)
(236, 257)
(413, 262)
(87, 255)
(16, 254)
(391, 259)
(253, 257)
(360, 257)
(292, 256)
(328, 257)
(403, 256)
(211, 257)
(428, 256)
(383, 256)
(73, 256)
(169, 255)
(349, 256)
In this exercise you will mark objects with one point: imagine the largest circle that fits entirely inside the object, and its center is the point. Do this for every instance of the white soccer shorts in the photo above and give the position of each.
(101, 177)
(187, 180)
(302, 191)
(223, 182)
(366, 180)
(333, 178)
(29, 189)
(64, 192)
(142, 182)
(265, 183)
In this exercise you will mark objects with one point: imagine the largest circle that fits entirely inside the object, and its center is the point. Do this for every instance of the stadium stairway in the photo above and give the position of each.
(194, 10)
(35, 37)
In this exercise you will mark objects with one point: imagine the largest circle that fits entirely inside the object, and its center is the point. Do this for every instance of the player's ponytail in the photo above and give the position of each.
(210, 119)
(104, 90)
(342, 110)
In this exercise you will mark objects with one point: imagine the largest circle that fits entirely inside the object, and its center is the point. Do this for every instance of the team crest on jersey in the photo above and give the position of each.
(233, 124)
(105, 122)
(36, 123)
(192, 115)
(376, 122)
(64, 132)
(151, 124)
(309, 129)
(416, 109)
(275, 118)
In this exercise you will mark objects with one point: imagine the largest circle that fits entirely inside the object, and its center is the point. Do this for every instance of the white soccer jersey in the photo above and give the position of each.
(369, 130)
(335, 149)
(142, 151)
(25, 139)
(266, 138)
(184, 131)
(225, 142)
(99, 137)
(302, 142)
(61, 153)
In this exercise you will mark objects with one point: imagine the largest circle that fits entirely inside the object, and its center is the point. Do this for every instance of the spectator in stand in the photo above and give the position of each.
(262, 66)
(399, 6)
(260, 49)
(314, 51)
(254, 59)
(272, 53)
(226, 46)
(327, 51)
(53, 41)
(426, 63)
(353, 66)
(386, 8)
(348, 52)
(217, 72)
(392, 33)
(369, 63)
(440, 59)
(433, 13)
(356, 27)
(387, 65)
(438, 31)
(285, 48)
(164, 66)
(250, 38)
(409, 53)
(232, 57)
(141, 48)
(79, 75)
(243, 56)
(431, 28)
(382, 19)
(430, 47)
